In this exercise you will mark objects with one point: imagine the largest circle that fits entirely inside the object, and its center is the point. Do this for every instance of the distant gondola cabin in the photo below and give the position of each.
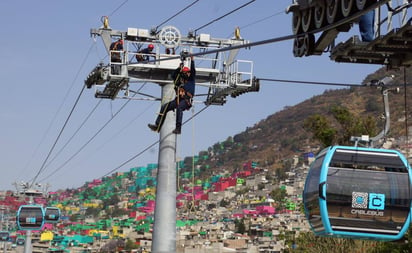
(30, 217)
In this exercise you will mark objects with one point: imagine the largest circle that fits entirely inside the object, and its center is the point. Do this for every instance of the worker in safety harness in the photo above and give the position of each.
(116, 56)
(184, 81)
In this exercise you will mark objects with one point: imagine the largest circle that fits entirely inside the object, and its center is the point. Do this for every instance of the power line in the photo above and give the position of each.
(372, 83)
(262, 19)
(90, 139)
(227, 14)
(58, 137)
(308, 82)
(150, 146)
(75, 133)
(74, 106)
(262, 42)
(178, 13)
(244, 46)
(115, 10)
(122, 129)
(116, 134)
(61, 105)
(258, 21)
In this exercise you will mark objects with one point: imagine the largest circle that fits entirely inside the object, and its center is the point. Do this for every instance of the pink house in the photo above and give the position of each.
(265, 210)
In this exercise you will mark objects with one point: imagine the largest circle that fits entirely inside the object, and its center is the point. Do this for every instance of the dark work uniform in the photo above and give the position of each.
(185, 90)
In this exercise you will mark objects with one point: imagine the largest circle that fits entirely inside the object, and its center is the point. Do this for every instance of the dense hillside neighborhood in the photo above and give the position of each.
(250, 208)
(243, 194)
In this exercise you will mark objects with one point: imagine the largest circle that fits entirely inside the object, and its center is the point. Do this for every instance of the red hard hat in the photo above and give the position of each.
(185, 69)
(150, 46)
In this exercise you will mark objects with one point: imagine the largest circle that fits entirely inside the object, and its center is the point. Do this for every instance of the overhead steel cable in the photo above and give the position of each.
(62, 103)
(308, 82)
(94, 136)
(115, 10)
(247, 45)
(123, 129)
(178, 13)
(87, 142)
(373, 83)
(232, 47)
(58, 137)
(67, 119)
(262, 19)
(406, 110)
(271, 40)
(75, 132)
(258, 21)
(150, 146)
(227, 14)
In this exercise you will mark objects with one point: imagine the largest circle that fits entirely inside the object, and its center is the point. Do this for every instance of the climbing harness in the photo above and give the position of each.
(180, 92)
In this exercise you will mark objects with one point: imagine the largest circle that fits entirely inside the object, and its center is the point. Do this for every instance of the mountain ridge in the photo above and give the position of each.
(281, 135)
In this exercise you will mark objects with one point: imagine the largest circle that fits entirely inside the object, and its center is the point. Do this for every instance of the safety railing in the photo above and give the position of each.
(117, 61)
(240, 73)
(400, 11)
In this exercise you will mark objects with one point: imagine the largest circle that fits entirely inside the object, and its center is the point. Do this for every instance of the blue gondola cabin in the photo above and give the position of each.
(360, 193)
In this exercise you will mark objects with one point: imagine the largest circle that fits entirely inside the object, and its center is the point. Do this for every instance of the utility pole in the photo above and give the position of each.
(2, 208)
(222, 75)
(28, 191)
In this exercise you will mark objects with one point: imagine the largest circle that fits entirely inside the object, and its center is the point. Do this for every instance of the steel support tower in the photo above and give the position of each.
(220, 74)
(392, 42)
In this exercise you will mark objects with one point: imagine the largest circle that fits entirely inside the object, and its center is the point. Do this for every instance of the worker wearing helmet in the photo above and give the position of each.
(144, 54)
(116, 53)
(184, 80)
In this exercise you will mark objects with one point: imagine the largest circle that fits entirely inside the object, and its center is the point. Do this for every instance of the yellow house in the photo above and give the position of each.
(46, 236)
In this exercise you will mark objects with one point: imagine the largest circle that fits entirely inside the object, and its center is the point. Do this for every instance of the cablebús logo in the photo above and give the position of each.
(368, 203)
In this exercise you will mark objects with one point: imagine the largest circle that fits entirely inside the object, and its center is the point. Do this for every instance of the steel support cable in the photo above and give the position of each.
(193, 161)
(58, 137)
(178, 13)
(123, 128)
(276, 39)
(68, 118)
(84, 145)
(114, 115)
(258, 21)
(406, 111)
(308, 82)
(227, 14)
(74, 134)
(247, 45)
(327, 83)
(61, 105)
(262, 19)
(115, 10)
(150, 146)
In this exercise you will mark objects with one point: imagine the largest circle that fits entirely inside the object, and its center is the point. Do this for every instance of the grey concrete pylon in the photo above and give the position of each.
(164, 230)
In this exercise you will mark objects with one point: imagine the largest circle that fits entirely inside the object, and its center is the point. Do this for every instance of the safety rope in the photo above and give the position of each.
(193, 161)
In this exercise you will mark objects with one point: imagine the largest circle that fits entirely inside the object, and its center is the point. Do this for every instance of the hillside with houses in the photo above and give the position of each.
(243, 194)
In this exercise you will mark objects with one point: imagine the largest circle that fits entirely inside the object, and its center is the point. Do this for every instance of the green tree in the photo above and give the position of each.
(130, 245)
(349, 125)
(309, 243)
(321, 129)
(91, 211)
(240, 226)
(278, 195)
